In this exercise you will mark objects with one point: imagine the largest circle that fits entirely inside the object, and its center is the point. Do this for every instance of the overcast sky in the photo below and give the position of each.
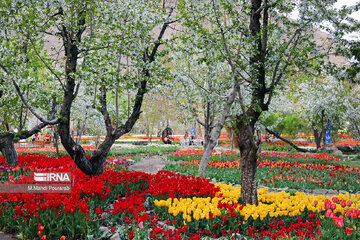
(340, 3)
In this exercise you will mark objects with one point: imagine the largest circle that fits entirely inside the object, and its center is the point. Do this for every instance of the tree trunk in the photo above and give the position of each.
(234, 139)
(317, 138)
(215, 131)
(8, 150)
(208, 150)
(80, 133)
(6, 141)
(248, 165)
(56, 142)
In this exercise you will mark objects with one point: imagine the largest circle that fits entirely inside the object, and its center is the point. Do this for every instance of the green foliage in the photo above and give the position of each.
(290, 125)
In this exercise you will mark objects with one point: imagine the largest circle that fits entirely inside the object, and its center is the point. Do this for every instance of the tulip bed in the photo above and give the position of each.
(164, 206)
(221, 156)
(277, 170)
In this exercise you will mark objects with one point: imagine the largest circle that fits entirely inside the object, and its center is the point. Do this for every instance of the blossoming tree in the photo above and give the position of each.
(263, 48)
(88, 43)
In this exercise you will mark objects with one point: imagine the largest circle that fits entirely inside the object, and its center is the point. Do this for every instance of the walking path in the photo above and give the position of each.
(7, 236)
(151, 164)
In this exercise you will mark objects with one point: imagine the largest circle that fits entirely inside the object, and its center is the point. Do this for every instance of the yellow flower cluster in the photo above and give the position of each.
(270, 204)
(200, 208)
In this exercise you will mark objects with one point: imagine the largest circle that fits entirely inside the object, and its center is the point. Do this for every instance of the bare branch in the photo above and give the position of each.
(228, 55)
(26, 134)
(272, 88)
(200, 122)
(230, 120)
(203, 88)
(296, 33)
(4, 68)
(236, 82)
(161, 34)
(117, 93)
(32, 110)
(46, 65)
(104, 110)
(287, 141)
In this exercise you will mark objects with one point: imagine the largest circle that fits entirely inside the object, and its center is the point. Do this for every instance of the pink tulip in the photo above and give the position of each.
(329, 213)
(338, 222)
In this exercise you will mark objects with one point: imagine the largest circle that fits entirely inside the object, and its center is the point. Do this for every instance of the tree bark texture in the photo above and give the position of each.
(7, 149)
(248, 166)
(317, 137)
(6, 141)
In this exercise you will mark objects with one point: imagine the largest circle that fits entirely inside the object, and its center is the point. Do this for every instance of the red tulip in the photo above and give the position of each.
(131, 234)
(349, 231)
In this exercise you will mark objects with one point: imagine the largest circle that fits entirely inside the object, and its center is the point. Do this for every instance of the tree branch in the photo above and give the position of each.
(266, 5)
(228, 55)
(4, 68)
(26, 134)
(287, 141)
(201, 123)
(104, 110)
(46, 65)
(32, 110)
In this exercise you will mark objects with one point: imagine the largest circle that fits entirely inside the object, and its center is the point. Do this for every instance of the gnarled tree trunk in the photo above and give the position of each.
(94, 165)
(7, 149)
